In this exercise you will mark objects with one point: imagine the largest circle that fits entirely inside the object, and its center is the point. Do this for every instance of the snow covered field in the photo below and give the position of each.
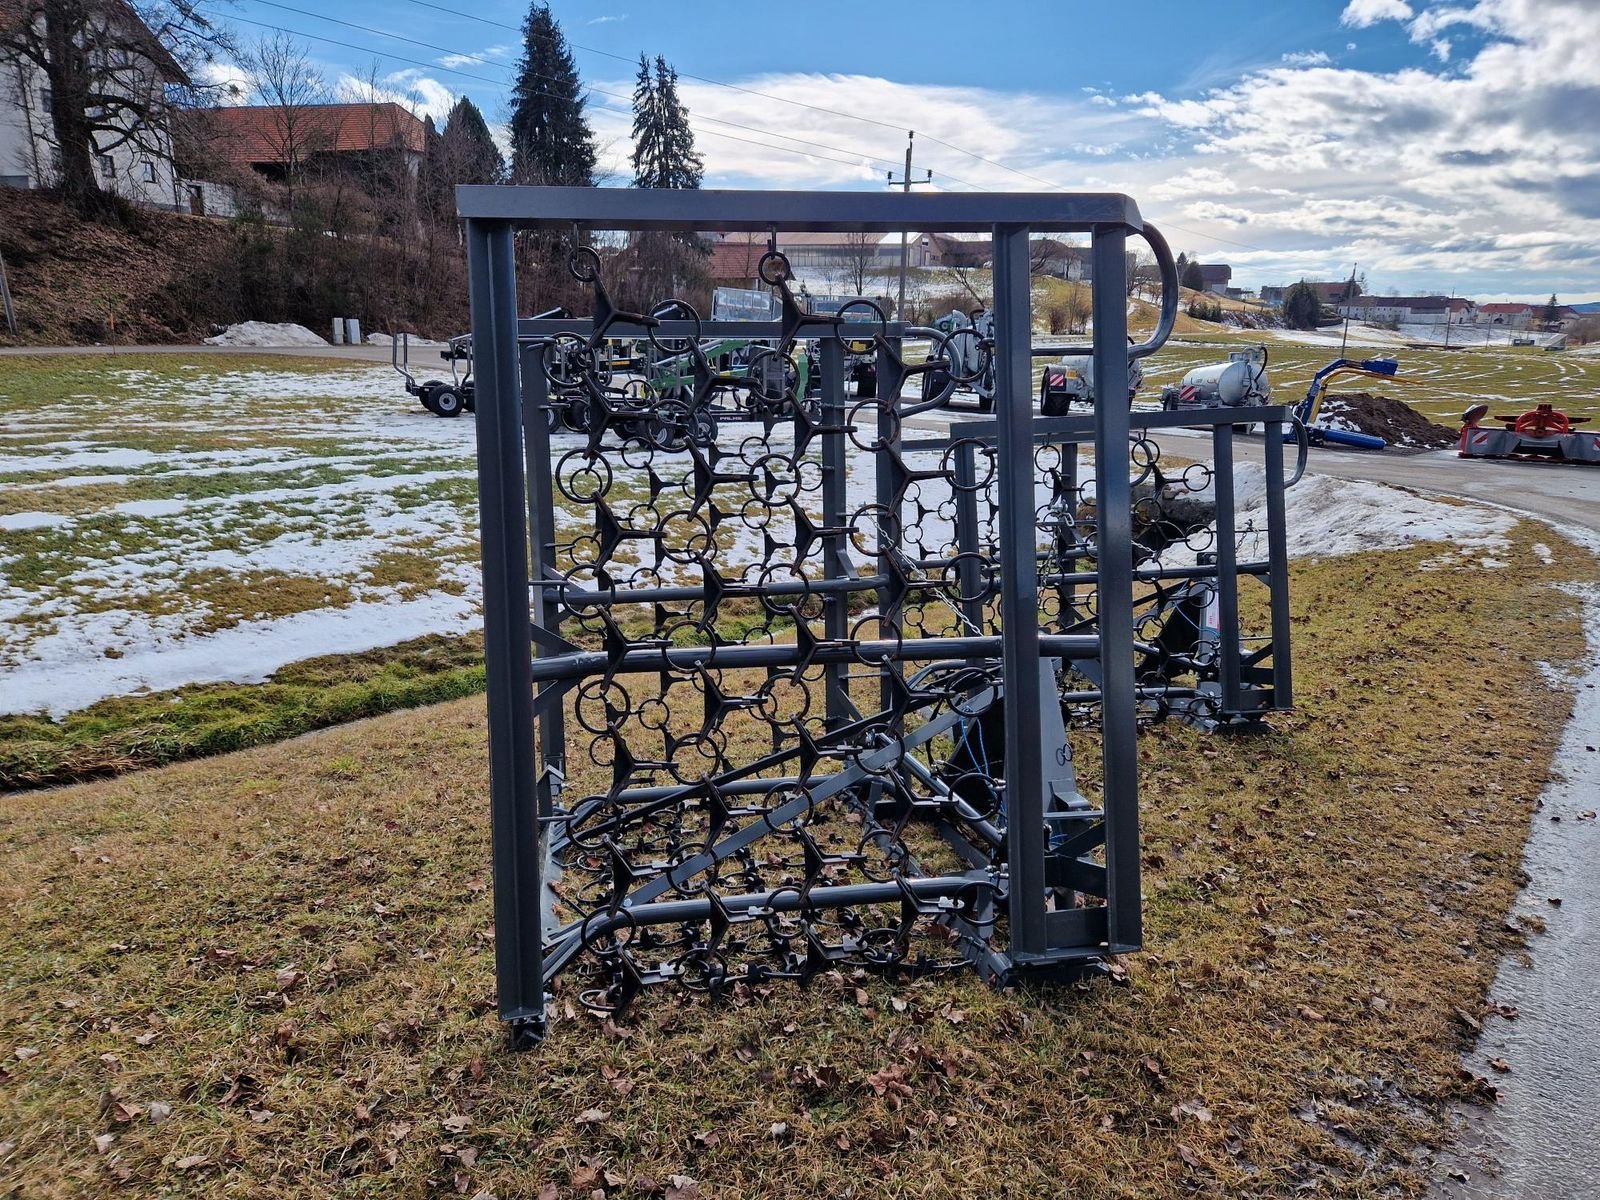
(214, 521)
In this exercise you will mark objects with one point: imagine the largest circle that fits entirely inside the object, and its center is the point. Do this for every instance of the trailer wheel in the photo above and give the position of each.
(447, 402)
(575, 416)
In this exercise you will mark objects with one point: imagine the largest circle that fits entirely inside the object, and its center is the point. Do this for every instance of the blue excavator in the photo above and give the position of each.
(1308, 408)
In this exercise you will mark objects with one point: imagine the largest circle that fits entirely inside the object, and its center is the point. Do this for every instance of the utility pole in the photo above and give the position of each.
(1348, 289)
(905, 183)
(1449, 311)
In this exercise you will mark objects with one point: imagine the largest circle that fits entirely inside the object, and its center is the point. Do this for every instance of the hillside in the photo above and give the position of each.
(75, 282)
(168, 278)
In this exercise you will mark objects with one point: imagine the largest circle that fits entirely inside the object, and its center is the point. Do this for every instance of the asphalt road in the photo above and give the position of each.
(1564, 494)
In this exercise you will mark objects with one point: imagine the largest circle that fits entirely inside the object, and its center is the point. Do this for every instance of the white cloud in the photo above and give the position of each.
(1307, 58)
(607, 20)
(1359, 14)
(1440, 47)
(411, 89)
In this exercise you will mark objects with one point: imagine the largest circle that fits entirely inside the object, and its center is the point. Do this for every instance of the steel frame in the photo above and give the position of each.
(1043, 882)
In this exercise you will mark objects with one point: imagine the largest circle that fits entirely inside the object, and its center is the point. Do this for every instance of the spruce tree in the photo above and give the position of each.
(647, 145)
(468, 146)
(551, 141)
(682, 166)
(1301, 307)
(664, 154)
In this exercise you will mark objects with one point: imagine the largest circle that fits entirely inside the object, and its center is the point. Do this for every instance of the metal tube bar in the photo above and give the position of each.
(1114, 588)
(1278, 570)
(967, 572)
(709, 210)
(542, 530)
(787, 654)
(838, 573)
(576, 597)
(788, 899)
(1227, 583)
(1019, 588)
(508, 652)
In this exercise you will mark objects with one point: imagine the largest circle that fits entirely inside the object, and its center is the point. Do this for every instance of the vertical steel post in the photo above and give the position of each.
(1019, 590)
(969, 572)
(542, 532)
(1114, 587)
(890, 482)
(835, 555)
(1227, 569)
(507, 646)
(1278, 570)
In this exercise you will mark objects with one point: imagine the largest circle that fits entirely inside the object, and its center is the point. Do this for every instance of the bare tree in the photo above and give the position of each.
(966, 279)
(855, 263)
(114, 75)
(1143, 275)
(284, 77)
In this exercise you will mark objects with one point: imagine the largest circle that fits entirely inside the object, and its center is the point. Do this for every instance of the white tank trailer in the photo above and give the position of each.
(1238, 383)
(1071, 381)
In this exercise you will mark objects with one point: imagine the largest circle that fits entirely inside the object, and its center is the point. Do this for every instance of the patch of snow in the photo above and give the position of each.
(246, 653)
(266, 333)
(1542, 553)
(1325, 516)
(33, 520)
(111, 458)
(384, 339)
(150, 508)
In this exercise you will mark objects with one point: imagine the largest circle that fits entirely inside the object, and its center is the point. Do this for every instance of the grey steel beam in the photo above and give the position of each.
(1227, 581)
(1019, 588)
(1114, 589)
(1278, 570)
(508, 652)
(711, 210)
(836, 567)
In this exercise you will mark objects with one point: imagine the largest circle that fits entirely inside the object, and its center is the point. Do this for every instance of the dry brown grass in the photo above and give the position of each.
(292, 948)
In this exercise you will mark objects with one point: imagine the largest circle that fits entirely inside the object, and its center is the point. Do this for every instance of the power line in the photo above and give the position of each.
(851, 162)
(857, 154)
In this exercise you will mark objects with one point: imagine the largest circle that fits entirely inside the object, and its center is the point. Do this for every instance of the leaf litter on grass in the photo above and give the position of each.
(1357, 862)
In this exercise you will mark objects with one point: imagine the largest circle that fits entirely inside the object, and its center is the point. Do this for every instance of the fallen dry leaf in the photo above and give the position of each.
(681, 1187)
(191, 1162)
(456, 1123)
(103, 1142)
(591, 1116)
(1500, 1064)
(1307, 1013)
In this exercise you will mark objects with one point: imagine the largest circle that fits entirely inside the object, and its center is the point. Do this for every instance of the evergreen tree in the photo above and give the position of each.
(1191, 278)
(647, 148)
(1301, 306)
(683, 166)
(468, 147)
(551, 141)
(664, 154)
(1552, 312)
(1182, 264)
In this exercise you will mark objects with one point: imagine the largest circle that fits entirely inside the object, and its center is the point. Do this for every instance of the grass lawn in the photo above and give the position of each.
(202, 553)
(1444, 382)
(270, 974)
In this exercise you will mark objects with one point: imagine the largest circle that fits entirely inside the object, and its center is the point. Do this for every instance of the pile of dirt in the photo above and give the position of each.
(1395, 421)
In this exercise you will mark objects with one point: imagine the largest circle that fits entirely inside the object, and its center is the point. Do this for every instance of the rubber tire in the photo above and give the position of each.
(447, 402)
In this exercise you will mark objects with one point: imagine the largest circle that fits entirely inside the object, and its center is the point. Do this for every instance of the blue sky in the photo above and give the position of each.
(1442, 144)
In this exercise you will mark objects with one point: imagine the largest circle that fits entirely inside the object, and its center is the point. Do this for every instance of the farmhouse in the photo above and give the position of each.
(133, 154)
(1400, 310)
(1216, 277)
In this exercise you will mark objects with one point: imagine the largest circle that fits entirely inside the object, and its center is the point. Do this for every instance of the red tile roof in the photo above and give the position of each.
(261, 133)
(1504, 308)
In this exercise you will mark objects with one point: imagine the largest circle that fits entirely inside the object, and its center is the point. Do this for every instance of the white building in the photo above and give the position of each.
(135, 163)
